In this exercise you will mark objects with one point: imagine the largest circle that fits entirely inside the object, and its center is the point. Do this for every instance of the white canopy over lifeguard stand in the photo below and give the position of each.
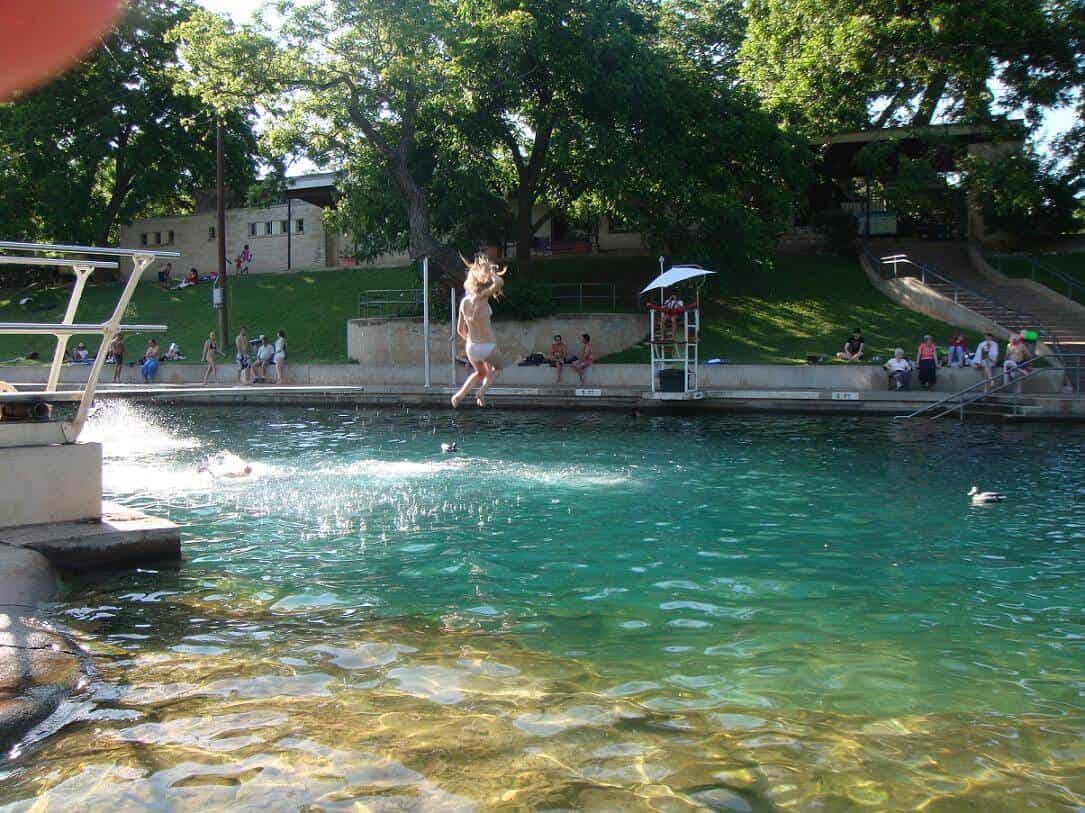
(675, 349)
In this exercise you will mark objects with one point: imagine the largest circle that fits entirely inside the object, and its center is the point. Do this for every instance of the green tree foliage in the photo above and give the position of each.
(828, 65)
(450, 121)
(112, 139)
(1024, 199)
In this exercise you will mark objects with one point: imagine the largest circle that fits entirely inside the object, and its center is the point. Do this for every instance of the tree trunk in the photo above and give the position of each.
(525, 232)
(936, 88)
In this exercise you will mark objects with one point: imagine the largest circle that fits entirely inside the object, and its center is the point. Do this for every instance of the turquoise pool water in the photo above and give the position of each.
(577, 611)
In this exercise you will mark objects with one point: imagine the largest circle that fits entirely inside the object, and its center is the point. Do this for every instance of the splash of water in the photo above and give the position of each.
(128, 431)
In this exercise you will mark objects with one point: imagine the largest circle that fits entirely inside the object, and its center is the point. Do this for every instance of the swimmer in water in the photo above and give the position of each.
(483, 283)
(225, 465)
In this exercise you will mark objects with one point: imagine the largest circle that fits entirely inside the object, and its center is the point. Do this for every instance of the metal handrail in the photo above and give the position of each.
(141, 261)
(965, 391)
(1072, 285)
(366, 299)
(925, 271)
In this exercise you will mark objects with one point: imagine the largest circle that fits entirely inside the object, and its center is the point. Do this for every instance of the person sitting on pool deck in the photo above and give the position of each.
(900, 371)
(986, 357)
(559, 354)
(150, 362)
(853, 347)
(1016, 353)
(265, 353)
(586, 360)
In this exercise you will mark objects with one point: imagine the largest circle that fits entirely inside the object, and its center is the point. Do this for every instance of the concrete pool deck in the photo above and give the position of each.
(795, 400)
(833, 388)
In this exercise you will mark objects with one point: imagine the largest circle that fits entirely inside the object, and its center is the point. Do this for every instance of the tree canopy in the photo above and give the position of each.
(827, 65)
(112, 139)
(466, 115)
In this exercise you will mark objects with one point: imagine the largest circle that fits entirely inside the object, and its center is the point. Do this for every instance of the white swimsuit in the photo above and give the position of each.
(480, 351)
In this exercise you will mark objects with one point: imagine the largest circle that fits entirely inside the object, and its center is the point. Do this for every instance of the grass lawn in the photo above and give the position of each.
(312, 307)
(805, 305)
(1071, 265)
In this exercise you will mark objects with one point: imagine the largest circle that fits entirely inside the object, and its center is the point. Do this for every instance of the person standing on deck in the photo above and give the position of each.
(483, 283)
(241, 349)
(116, 349)
(280, 357)
(210, 351)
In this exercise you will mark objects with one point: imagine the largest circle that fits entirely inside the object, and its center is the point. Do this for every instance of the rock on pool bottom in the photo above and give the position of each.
(591, 612)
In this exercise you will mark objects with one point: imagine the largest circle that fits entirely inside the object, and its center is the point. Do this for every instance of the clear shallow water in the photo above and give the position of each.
(581, 612)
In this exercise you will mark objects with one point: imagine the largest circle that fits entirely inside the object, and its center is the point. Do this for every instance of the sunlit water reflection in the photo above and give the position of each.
(580, 612)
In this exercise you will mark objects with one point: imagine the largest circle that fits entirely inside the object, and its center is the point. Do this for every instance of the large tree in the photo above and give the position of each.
(826, 65)
(437, 113)
(340, 80)
(112, 138)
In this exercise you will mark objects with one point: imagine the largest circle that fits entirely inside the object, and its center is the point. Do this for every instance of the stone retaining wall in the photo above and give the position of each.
(377, 342)
(833, 376)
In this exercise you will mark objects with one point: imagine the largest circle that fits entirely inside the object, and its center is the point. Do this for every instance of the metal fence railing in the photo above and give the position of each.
(407, 302)
(1018, 265)
(581, 294)
(387, 302)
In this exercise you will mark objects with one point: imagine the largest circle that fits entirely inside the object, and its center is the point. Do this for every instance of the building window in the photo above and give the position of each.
(210, 233)
(299, 226)
(269, 228)
(252, 230)
(170, 238)
(143, 239)
(284, 226)
(158, 238)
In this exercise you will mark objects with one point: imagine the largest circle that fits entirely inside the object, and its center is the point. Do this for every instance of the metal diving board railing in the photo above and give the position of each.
(68, 431)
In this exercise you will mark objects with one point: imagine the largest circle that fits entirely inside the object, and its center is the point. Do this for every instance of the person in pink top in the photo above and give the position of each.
(586, 360)
(927, 356)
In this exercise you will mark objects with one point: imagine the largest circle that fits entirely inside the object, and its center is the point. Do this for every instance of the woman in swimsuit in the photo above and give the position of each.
(210, 350)
(483, 283)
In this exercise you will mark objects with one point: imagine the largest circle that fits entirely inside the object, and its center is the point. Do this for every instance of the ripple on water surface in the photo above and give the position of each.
(581, 612)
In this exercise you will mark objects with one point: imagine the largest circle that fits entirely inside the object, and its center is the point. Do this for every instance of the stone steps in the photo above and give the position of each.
(1007, 304)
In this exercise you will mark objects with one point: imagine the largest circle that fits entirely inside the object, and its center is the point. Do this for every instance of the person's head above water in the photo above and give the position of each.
(483, 273)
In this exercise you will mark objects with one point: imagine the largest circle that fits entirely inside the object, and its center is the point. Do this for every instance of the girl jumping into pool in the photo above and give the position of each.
(483, 283)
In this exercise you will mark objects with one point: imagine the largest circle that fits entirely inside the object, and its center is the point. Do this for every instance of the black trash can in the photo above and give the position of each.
(671, 380)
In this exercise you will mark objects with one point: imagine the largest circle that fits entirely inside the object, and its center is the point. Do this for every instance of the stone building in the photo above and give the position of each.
(290, 236)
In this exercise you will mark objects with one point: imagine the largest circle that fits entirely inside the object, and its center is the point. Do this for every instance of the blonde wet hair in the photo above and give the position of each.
(483, 273)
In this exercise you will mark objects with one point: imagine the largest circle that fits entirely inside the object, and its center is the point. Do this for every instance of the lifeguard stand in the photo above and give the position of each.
(674, 338)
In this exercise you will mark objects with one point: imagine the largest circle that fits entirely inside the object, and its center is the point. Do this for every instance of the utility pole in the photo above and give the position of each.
(224, 320)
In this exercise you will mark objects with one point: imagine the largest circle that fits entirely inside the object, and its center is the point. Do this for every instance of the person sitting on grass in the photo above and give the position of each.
(586, 359)
(853, 347)
(900, 371)
(559, 355)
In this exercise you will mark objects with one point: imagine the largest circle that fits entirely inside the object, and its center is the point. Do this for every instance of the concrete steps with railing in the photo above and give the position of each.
(1005, 303)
